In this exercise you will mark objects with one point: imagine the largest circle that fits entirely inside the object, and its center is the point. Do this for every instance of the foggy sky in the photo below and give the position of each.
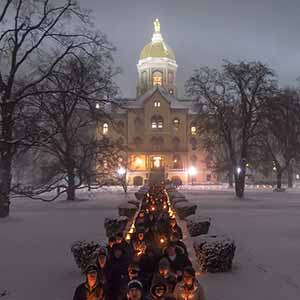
(202, 33)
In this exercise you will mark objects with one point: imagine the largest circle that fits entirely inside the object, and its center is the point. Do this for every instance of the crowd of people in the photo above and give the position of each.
(150, 263)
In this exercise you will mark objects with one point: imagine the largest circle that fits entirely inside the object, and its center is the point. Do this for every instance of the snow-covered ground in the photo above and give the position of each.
(266, 228)
(36, 262)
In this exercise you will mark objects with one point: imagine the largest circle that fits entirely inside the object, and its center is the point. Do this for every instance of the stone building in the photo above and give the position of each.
(157, 127)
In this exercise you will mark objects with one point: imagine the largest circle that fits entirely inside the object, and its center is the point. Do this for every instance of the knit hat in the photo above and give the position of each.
(189, 270)
(135, 284)
(159, 284)
(164, 264)
(91, 269)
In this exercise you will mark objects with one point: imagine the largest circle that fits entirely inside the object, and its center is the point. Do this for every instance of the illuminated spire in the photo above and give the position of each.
(156, 26)
(157, 37)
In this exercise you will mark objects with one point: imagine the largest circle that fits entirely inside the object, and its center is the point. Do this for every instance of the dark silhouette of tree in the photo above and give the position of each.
(233, 99)
(35, 36)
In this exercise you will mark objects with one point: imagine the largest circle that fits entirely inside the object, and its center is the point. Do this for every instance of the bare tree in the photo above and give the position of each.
(280, 134)
(234, 98)
(35, 36)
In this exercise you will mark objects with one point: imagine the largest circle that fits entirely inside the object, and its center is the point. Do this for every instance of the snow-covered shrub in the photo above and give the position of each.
(115, 225)
(198, 225)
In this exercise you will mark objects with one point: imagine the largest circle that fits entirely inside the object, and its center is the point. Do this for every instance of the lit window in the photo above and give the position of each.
(176, 123)
(153, 124)
(171, 92)
(97, 105)
(105, 129)
(157, 78)
(156, 104)
(193, 130)
(160, 124)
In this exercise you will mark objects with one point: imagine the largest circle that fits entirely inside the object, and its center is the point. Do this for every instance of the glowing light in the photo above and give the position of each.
(297, 176)
(128, 237)
(192, 171)
(239, 170)
(138, 161)
(162, 240)
(121, 171)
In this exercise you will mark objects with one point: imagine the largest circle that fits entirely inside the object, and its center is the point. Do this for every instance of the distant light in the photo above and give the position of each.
(97, 105)
(297, 176)
(274, 169)
(239, 170)
(192, 171)
(121, 171)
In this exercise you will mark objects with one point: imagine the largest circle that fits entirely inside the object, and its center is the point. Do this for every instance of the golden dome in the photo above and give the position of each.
(157, 47)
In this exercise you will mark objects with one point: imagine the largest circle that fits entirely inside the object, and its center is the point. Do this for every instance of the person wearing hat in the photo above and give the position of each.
(189, 288)
(121, 241)
(91, 288)
(175, 228)
(165, 276)
(134, 290)
(175, 238)
(158, 291)
(178, 261)
(104, 272)
(133, 274)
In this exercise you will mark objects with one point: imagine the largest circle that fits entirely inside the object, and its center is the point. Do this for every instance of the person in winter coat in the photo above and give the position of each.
(119, 267)
(158, 292)
(104, 272)
(175, 228)
(111, 242)
(135, 290)
(177, 260)
(133, 274)
(174, 237)
(189, 288)
(122, 242)
(91, 289)
(165, 276)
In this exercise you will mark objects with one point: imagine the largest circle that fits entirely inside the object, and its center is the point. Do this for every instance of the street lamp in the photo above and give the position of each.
(121, 171)
(238, 170)
(192, 171)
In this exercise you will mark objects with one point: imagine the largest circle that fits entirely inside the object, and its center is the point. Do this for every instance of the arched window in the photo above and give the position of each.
(193, 142)
(157, 78)
(105, 129)
(157, 104)
(157, 122)
(153, 123)
(176, 123)
(160, 122)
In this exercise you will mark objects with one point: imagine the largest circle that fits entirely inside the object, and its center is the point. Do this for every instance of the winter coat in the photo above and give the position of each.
(119, 270)
(181, 292)
(170, 282)
(179, 263)
(124, 286)
(83, 292)
(105, 277)
(177, 229)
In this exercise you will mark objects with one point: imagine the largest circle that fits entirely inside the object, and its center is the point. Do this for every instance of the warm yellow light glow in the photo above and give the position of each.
(128, 237)
(156, 25)
(193, 130)
(162, 240)
(105, 129)
(192, 171)
(157, 161)
(138, 161)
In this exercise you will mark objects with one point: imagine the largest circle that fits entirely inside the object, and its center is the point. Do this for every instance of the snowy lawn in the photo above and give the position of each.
(266, 228)
(35, 258)
(36, 262)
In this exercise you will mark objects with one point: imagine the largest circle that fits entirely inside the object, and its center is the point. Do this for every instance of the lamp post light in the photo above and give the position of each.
(121, 171)
(192, 171)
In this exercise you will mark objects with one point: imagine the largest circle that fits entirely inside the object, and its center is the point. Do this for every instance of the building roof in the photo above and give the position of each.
(157, 47)
(175, 103)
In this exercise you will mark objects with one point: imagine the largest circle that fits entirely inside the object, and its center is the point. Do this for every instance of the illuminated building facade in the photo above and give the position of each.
(157, 127)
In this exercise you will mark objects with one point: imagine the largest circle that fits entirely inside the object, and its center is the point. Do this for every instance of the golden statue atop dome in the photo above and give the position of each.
(156, 26)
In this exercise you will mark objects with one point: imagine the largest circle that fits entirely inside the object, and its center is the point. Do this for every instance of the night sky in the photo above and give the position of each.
(203, 33)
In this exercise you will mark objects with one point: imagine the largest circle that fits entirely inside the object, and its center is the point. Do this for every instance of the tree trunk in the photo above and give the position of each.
(230, 178)
(279, 178)
(71, 184)
(5, 185)
(6, 150)
(239, 183)
(290, 176)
